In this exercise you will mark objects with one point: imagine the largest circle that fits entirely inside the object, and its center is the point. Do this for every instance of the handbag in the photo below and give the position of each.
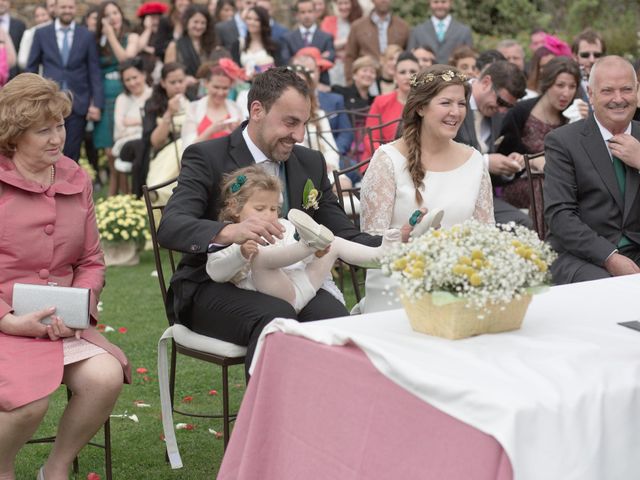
(72, 304)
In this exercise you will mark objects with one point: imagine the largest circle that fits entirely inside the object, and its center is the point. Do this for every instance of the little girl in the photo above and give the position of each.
(289, 269)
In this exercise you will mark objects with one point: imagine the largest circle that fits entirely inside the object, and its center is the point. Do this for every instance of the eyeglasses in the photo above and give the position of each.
(589, 54)
(501, 101)
(299, 69)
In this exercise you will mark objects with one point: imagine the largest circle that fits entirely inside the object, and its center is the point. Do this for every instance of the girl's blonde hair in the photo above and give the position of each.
(239, 185)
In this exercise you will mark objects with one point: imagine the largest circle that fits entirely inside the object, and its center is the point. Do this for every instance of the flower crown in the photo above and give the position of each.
(447, 76)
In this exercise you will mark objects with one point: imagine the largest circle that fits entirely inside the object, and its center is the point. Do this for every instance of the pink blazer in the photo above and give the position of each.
(47, 234)
(389, 108)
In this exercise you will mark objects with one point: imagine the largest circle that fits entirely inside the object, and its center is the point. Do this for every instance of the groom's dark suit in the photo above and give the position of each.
(189, 224)
(584, 208)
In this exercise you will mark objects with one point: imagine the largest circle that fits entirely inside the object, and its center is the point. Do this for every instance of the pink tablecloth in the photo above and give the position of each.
(313, 411)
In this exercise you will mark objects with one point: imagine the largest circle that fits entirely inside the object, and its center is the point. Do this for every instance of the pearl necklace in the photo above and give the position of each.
(53, 175)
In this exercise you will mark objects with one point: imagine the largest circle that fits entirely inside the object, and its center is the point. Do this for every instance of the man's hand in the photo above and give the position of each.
(626, 148)
(618, 264)
(502, 165)
(249, 249)
(253, 228)
(583, 108)
(93, 113)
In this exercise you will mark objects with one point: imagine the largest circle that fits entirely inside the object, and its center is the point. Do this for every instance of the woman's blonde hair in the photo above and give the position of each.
(26, 101)
(239, 185)
(424, 87)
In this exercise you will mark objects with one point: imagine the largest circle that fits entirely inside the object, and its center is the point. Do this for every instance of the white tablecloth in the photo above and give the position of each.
(561, 395)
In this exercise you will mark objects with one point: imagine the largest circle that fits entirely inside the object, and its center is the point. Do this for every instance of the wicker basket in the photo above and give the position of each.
(455, 320)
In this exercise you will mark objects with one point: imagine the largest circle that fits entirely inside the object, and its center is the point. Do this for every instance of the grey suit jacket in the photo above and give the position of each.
(584, 208)
(467, 132)
(424, 34)
(227, 33)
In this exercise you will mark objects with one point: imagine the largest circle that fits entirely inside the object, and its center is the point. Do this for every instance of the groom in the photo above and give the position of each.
(279, 107)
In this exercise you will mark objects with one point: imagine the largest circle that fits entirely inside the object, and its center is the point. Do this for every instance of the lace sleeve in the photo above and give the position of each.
(484, 204)
(377, 195)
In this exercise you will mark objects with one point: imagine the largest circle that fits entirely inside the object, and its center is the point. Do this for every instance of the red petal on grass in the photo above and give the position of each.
(93, 476)
(218, 434)
(162, 437)
(213, 392)
(187, 399)
(100, 327)
(123, 330)
(146, 378)
(141, 370)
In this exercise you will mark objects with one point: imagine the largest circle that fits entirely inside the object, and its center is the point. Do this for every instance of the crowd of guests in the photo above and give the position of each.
(166, 95)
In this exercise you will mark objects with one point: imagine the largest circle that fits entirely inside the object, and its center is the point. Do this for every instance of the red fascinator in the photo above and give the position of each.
(231, 69)
(314, 52)
(151, 8)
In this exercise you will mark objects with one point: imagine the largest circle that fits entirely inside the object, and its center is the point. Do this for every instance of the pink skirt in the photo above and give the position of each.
(75, 350)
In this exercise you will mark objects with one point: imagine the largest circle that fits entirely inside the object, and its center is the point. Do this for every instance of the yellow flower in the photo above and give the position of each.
(475, 280)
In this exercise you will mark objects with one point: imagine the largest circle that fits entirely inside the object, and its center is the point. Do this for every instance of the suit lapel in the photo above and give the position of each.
(470, 130)
(293, 167)
(597, 152)
(52, 41)
(238, 150)
(633, 178)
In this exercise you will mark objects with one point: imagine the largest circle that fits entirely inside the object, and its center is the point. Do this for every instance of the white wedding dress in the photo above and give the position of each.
(388, 199)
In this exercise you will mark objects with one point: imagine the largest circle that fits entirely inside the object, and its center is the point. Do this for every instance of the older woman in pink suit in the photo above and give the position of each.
(48, 233)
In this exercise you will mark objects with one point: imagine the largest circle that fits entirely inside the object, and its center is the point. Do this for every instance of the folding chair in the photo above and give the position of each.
(376, 137)
(536, 195)
(185, 342)
(352, 207)
(106, 446)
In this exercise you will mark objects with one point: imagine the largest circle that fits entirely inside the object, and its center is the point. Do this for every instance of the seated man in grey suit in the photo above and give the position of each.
(279, 106)
(500, 85)
(592, 182)
(441, 32)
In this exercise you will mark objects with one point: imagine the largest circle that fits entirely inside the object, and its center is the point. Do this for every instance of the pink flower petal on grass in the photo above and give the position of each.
(217, 434)
(93, 476)
(185, 426)
(122, 330)
(213, 392)
(141, 370)
(187, 399)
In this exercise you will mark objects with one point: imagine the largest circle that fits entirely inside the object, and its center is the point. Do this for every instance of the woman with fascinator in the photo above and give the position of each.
(214, 115)
(424, 171)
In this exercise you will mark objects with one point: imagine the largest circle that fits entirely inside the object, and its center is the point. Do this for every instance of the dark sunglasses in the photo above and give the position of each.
(501, 101)
(588, 54)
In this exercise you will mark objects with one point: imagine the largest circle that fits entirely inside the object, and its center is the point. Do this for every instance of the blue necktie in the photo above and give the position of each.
(64, 53)
(440, 31)
(307, 38)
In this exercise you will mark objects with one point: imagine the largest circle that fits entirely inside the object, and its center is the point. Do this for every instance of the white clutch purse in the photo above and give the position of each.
(72, 304)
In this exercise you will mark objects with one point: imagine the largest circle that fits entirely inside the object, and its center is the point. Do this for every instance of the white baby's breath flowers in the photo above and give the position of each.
(122, 218)
(481, 263)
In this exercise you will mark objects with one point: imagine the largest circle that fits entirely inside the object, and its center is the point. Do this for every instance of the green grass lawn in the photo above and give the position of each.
(131, 299)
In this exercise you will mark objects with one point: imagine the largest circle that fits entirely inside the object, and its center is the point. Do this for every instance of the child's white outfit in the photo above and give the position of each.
(229, 265)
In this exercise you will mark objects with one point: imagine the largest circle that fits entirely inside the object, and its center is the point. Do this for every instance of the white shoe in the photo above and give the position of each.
(433, 219)
(311, 233)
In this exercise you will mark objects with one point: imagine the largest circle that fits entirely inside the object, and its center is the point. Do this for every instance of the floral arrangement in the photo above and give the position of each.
(87, 167)
(122, 218)
(482, 263)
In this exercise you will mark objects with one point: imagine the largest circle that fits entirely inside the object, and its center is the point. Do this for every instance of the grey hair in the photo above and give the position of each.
(607, 59)
(508, 43)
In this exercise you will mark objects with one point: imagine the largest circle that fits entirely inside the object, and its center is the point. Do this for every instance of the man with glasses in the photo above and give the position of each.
(497, 90)
(587, 47)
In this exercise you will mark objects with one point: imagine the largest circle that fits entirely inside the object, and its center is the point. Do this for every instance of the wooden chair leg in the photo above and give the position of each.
(107, 449)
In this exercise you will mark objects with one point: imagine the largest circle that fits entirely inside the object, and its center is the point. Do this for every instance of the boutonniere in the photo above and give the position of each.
(310, 196)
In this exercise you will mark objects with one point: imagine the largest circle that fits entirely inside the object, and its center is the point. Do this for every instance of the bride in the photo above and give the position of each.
(425, 169)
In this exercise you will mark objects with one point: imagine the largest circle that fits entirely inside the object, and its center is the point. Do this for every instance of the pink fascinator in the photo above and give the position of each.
(557, 46)
(231, 69)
